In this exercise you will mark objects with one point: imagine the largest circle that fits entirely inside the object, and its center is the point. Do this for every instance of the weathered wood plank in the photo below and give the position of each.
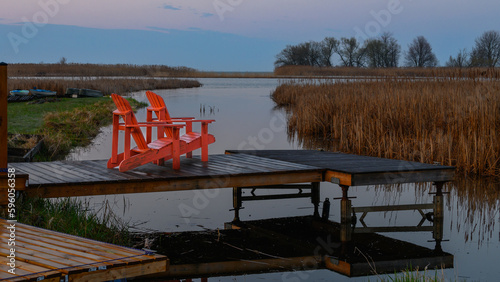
(206, 182)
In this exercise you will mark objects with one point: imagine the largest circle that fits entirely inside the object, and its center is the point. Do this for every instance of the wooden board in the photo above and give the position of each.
(84, 178)
(45, 254)
(355, 170)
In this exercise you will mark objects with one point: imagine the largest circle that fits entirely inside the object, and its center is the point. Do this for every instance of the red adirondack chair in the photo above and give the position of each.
(194, 140)
(158, 151)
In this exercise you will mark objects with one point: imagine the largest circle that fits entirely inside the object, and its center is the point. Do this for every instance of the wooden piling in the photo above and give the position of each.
(14, 179)
(3, 117)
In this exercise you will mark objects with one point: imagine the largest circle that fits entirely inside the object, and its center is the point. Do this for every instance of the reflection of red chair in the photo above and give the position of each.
(193, 140)
(158, 151)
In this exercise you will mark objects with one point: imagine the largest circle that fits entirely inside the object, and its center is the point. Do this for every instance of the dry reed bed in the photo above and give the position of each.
(120, 70)
(105, 85)
(96, 70)
(473, 73)
(453, 122)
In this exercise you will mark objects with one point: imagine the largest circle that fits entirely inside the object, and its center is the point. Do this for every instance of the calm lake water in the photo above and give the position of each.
(245, 119)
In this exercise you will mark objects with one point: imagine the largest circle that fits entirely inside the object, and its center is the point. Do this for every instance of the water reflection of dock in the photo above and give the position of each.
(288, 244)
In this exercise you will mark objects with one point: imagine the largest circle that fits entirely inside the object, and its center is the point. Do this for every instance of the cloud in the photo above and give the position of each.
(170, 7)
(160, 29)
(207, 15)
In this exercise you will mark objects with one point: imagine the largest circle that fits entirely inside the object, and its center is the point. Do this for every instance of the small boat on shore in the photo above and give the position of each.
(90, 93)
(19, 92)
(42, 92)
(77, 92)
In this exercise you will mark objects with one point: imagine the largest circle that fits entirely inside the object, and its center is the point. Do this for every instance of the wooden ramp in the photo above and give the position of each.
(42, 254)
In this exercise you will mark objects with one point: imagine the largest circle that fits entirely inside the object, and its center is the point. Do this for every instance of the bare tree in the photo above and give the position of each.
(420, 54)
(300, 54)
(329, 45)
(392, 50)
(461, 61)
(63, 60)
(350, 52)
(310, 53)
(382, 52)
(486, 52)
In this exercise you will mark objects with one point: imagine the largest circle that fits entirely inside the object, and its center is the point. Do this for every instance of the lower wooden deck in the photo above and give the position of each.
(40, 254)
(356, 170)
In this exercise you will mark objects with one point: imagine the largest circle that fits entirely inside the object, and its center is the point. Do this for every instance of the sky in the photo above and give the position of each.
(225, 35)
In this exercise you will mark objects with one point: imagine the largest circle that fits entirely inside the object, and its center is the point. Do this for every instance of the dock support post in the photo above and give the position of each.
(315, 197)
(438, 212)
(237, 203)
(345, 215)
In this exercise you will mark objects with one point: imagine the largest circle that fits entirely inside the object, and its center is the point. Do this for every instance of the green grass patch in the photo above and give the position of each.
(74, 217)
(28, 119)
(416, 275)
(65, 124)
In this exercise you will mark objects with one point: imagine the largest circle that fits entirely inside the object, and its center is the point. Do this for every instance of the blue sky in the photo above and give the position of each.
(225, 35)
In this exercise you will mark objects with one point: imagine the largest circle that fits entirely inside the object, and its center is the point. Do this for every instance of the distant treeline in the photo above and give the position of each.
(385, 52)
(72, 69)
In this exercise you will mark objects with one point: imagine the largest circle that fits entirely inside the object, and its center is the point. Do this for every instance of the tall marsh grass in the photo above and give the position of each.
(474, 73)
(71, 69)
(75, 217)
(451, 121)
(105, 85)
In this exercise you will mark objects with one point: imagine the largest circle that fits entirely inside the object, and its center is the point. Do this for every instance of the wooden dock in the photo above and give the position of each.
(42, 254)
(233, 169)
(52, 255)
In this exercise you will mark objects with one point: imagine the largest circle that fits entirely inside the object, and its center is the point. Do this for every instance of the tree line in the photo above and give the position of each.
(385, 52)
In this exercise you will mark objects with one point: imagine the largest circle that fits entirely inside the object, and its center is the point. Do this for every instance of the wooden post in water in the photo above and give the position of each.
(345, 215)
(438, 212)
(3, 118)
